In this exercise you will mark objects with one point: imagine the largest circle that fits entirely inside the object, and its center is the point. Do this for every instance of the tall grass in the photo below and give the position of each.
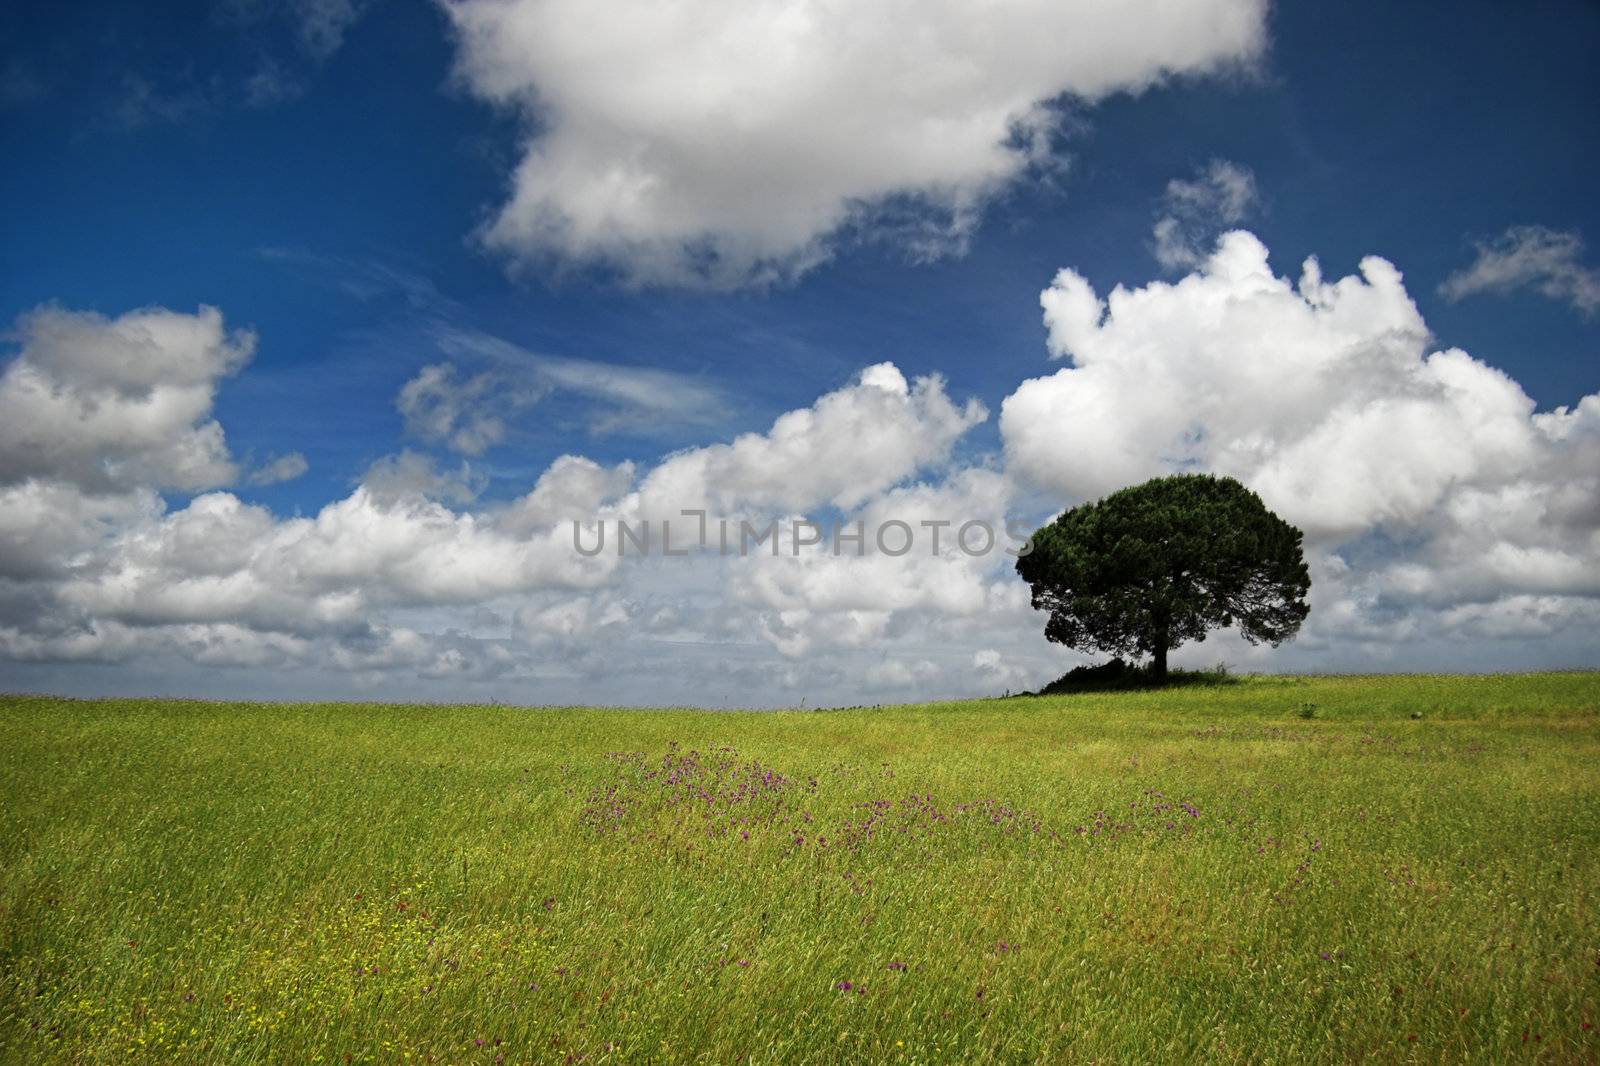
(1409, 873)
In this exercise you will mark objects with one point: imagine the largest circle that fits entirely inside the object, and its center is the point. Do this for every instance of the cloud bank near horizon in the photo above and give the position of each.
(1448, 521)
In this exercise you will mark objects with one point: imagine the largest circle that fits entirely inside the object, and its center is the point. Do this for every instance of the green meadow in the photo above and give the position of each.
(1263, 870)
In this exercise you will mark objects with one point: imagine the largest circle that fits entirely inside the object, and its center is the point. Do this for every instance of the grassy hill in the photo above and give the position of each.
(1278, 869)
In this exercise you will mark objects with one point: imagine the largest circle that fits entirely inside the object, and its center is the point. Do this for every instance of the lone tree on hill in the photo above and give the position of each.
(1150, 567)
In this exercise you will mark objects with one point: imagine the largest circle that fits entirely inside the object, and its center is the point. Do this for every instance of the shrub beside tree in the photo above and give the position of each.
(1152, 567)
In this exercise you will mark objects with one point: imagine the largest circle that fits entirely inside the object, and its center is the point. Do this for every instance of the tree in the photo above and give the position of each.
(1150, 567)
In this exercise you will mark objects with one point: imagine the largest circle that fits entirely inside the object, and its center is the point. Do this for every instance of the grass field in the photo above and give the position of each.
(1274, 870)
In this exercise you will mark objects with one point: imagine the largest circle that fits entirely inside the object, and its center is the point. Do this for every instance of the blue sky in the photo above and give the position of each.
(329, 174)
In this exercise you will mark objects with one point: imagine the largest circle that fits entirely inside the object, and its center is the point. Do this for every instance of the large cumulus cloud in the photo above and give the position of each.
(723, 142)
(107, 403)
(850, 445)
(1429, 486)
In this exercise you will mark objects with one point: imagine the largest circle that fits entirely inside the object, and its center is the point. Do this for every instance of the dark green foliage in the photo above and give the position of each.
(1119, 675)
(1151, 567)
(1115, 674)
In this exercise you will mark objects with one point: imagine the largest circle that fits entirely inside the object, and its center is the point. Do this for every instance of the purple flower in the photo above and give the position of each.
(845, 986)
(897, 966)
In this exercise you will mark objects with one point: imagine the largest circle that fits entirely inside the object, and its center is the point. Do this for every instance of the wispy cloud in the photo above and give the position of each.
(1194, 212)
(465, 413)
(629, 397)
(19, 85)
(141, 102)
(467, 402)
(1545, 260)
(283, 468)
(363, 279)
(272, 84)
(319, 26)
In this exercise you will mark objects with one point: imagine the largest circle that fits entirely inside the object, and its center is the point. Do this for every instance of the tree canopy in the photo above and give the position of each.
(1151, 567)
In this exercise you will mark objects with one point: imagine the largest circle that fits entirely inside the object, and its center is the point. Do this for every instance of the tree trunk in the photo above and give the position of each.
(1158, 664)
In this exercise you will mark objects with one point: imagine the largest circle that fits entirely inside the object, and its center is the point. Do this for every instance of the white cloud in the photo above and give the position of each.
(1548, 261)
(49, 529)
(470, 412)
(571, 488)
(283, 468)
(819, 599)
(110, 403)
(1194, 212)
(641, 399)
(1301, 390)
(851, 444)
(1425, 480)
(724, 143)
(462, 413)
(998, 670)
(412, 475)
